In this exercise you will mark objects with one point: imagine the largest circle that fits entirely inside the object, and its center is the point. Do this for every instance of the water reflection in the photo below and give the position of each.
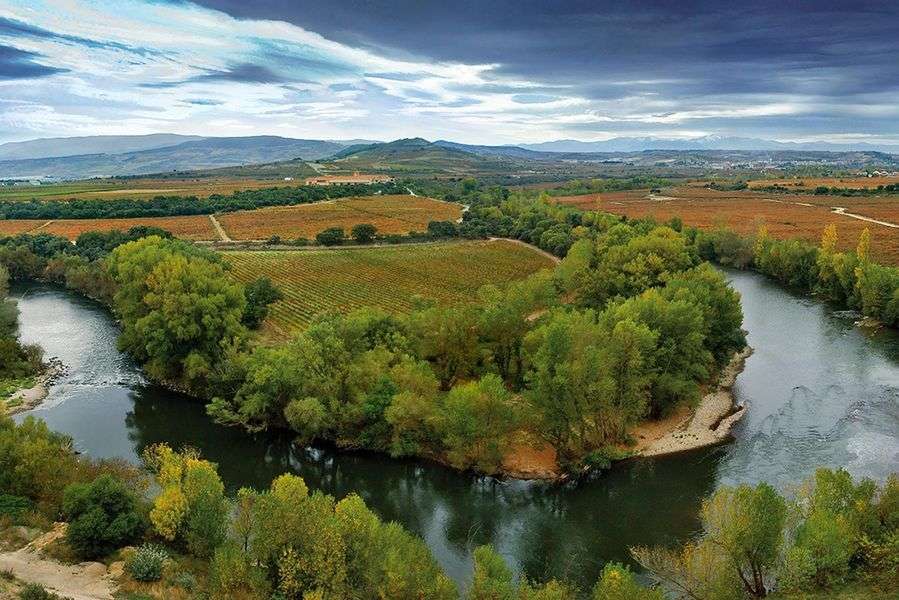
(820, 392)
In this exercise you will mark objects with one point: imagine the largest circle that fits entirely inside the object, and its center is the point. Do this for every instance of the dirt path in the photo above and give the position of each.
(839, 210)
(552, 257)
(39, 227)
(223, 235)
(84, 581)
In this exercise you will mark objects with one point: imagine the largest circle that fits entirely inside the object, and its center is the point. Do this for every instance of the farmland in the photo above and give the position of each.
(785, 216)
(137, 188)
(319, 281)
(389, 214)
(191, 227)
(810, 183)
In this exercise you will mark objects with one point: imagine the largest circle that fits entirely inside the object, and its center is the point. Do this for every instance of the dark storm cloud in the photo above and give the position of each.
(610, 49)
(18, 64)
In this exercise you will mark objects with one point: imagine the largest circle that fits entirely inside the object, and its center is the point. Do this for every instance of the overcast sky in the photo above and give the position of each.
(470, 71)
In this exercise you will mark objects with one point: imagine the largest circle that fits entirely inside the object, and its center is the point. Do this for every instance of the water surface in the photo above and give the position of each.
(820, 392)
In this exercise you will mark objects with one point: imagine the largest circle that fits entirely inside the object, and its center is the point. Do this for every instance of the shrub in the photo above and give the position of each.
(146, 563)
(14, 506)
(363, 232)
(185, 580)
(331, 236)
(103, 515)
(33, 591)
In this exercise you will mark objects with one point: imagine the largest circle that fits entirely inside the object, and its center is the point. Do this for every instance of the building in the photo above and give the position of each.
(347, 179)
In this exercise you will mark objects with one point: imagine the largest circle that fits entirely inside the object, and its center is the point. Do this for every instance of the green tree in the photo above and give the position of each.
(363, 233)
(259, 295)
(478, 421)
(179, 310)
(332, 236)
(747, 525)
(103, 516)
(492, 577)
(617, 582)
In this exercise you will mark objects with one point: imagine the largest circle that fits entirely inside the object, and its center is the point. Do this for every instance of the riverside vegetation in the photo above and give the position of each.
(648, 325)
(630, 323)
(189, 540)
(575, 354)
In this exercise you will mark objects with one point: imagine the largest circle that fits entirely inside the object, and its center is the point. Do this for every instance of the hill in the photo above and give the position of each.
(94, 144)
(412, 155)
(204, 153)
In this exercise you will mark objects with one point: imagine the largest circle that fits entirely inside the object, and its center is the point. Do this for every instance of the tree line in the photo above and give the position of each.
(186, 536)
(168, 206)
(849, 279)
(644, 324)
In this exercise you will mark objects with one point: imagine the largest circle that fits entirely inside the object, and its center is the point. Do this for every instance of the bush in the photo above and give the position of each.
(363, 232)
(33, 591)
(103, 516)
(332, 236)
(146, 563)
(14, 506)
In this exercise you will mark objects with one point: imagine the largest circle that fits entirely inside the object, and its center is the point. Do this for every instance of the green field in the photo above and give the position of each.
(319, 281)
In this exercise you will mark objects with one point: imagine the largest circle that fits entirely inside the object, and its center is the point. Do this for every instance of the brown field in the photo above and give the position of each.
(194, 227)
(389, 214)
(811, 183)
(21, 226)
(140, 188)
(785, 216)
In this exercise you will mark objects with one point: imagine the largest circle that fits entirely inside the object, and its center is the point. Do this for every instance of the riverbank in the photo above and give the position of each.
(27, 398)
(709, 425)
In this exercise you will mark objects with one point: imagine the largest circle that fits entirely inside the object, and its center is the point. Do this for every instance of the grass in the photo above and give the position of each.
(785, 216)
(8, 387)
(315, 282)
(389, 214)
(852, 591)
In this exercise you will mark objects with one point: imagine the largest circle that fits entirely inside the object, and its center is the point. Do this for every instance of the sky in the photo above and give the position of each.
(471, 71)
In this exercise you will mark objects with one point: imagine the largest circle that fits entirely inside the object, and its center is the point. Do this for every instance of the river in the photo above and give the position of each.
(820, 392)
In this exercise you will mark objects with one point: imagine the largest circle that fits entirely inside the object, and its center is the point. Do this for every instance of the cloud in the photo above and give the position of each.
(496, 72)
(18, 64)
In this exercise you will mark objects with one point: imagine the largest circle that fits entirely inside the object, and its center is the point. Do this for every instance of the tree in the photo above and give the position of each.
(192, 507)
(259, 295)
(103, 516)
(746, 524)
(478, 420)
(333, 236)
(617, 582)
(179, 310)
(442, 229)
(492, 577)
(363, 233)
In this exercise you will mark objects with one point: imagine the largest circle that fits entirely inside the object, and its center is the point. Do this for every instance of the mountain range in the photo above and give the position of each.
(105, 156)
(709, 142)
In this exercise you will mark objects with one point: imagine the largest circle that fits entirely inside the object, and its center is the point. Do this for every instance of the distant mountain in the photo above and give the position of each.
(709, 142)
(411, 154)
(203, 153)
(95, 144)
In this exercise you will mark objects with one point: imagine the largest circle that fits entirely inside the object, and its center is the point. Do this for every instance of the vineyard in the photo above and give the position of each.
(785, 216)
(389, 214)
(315, 282)
(137, 188)
(16, 227)
(192, 227)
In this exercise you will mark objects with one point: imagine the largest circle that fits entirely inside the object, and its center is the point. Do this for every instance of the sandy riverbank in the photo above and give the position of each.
(28, 398)
(710, 424)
